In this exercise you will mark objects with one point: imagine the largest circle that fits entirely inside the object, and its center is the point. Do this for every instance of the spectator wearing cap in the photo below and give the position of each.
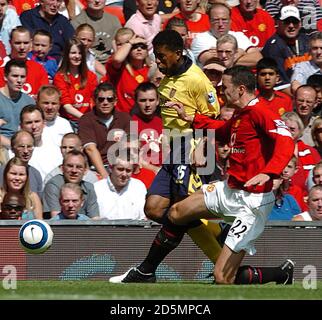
(287, 46)
(310, 11)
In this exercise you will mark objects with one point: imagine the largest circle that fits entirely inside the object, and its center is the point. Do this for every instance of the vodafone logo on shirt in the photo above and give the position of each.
(79, 98)
(26, 88)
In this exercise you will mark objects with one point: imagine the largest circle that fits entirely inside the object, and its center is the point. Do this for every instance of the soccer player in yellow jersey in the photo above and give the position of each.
(183, 82)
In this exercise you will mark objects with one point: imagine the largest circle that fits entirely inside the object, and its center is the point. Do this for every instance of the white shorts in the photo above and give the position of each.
(248, 213)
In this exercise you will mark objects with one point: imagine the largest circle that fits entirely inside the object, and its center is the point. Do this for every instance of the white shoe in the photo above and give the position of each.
(119, 279)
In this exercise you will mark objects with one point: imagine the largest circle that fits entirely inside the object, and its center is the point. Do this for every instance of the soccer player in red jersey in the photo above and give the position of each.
(261, 146)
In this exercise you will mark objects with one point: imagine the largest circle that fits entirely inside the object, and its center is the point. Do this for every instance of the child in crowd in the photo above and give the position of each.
(267, 77)
(75, 82)
(86, 34)
(42, 42)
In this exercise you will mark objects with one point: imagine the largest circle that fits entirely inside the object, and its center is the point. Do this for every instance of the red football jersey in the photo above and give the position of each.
(72, 93)
(260, 142)
(280, 104)
(258, 29)
(36, 77)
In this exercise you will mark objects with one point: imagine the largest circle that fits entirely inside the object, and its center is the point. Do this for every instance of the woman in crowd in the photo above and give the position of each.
(75, 82)
(16, 182)
(86, 34)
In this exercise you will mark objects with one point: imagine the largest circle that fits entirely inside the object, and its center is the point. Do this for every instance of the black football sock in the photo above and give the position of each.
(260, 275)
(167, 239)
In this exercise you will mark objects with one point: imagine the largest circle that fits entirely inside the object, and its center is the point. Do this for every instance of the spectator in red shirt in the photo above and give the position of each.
(254, 22)
(267, 77)
(75, 82)
(127, 68)
(20, 41)
(196, 21)
(149, 124)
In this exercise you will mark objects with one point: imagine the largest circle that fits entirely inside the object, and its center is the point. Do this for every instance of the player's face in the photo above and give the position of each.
(147, 102)
(16, 178)
(189, 6)
(74, 168)
(121, 173)
(96, 5)
(267, 79)
(86, 37)
(33, 123)
(3, 8)
(147, 7)
(50, 104)
(23, 147)
(294, 128)
(41, 45)
(289, 171)
(220, 21)
(69, 144)
(166, 59)
(226, 53)
(305, 101)
(20, 45)
(316, 51)
(315, 204)
(248, 6)
(50, 7)
(75, 56)
(289, 28)
(71, 203)
(16, 78)
(105, 103)
(12, 208)
(229, 90)
(317, 175)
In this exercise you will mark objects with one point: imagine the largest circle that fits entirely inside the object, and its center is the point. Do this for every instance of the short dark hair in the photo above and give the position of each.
(241, 75)
(144, 87)
(266, 63)
(29, 109)
(19, 29)
(14, 63)
(104, 86)
(315, 81)
(170, 39)
(176, 22)
(42, 32)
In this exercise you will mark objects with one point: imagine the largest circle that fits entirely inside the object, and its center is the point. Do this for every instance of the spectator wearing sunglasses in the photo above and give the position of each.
(127, 67)
(13, 208)
(102, 127)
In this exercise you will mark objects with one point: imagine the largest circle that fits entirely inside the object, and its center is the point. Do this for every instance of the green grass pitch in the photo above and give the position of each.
(97, 290)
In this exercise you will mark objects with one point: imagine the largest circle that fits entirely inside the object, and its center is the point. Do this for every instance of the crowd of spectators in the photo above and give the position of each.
(81, 136)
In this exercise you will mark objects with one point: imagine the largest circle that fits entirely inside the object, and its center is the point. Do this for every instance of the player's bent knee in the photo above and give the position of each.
(173, 213)
(153, 212)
